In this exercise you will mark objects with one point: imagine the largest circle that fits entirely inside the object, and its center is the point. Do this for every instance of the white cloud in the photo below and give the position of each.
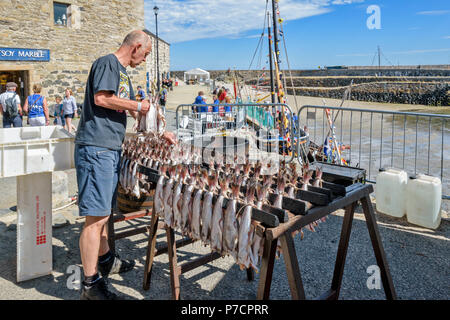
(421, 51)
(339, 2)
(446, 37)
(434, 12)
(397, 52)
(187, 20)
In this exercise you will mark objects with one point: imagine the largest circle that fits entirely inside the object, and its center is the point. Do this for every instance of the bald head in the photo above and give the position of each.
(135, 48)
(136, 37)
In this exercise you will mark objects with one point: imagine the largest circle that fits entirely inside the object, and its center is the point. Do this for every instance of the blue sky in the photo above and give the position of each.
(217, 35)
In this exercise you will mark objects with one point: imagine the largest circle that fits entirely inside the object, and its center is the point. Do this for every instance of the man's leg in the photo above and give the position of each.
(90, 243)
(94, 287)
(6, 122)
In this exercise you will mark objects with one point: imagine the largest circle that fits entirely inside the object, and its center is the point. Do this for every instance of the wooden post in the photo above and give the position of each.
(174, 270)
(342, 252)
(292, 267)
(111, 234)
(268, 261)
(371, 222)
(150, 250)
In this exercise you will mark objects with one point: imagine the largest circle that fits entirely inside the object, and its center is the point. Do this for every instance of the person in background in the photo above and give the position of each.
(58, 112)
(223, 95)
(69, 109)
(216, 104)
(141, 92)
(12, 100)
(163, 98)
(201, 100)
(36, 107)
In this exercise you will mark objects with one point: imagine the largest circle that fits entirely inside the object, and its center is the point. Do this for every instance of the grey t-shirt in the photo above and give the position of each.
(100, 126)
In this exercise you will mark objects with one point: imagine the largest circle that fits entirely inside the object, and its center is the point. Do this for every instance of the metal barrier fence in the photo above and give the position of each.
(414, 142)
(265, 122)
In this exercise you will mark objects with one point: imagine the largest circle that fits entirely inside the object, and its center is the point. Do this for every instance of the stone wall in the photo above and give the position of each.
(326, 82)
(433, 94)
(94, 29)
(368, 72)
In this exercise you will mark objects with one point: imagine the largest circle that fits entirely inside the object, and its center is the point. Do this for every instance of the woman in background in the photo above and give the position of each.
(36, 108)
(69, 109)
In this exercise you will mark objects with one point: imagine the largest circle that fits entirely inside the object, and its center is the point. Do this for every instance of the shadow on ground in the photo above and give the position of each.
(418, 259)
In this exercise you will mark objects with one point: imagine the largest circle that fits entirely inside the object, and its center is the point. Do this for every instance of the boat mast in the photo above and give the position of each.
(272, 89)
(275, 40)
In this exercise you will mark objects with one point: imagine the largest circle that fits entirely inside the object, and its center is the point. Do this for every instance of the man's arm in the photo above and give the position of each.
(109, 100)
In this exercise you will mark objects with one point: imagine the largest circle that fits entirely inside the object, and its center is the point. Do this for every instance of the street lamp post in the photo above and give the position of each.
(156, 9)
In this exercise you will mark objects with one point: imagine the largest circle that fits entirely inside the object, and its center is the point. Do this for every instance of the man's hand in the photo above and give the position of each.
(170, 137)
(145, 107)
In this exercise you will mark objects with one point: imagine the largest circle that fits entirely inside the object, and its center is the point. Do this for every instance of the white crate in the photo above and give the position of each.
(31, 150)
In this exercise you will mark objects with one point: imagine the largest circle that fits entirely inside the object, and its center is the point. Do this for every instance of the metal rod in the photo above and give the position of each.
(360, 138)
(381, 142)
(429, 144)
(392, 150)
(351, 131)
(370, 150)
(442, 151)
(415, 153)
(404, 141)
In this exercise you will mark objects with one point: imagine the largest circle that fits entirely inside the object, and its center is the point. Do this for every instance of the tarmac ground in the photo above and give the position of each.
(418, 258)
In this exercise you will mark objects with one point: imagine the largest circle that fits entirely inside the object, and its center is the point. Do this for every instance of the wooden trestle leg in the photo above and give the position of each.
(292, 267)
(111, 234)
(371, 222)
(151, 248)
(267, 263)
(333, 294)
(173, 265)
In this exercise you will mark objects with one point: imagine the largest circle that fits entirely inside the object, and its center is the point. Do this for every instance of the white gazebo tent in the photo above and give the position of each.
(197, 73)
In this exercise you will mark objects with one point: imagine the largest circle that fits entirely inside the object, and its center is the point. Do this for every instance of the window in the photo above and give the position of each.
(61, 13)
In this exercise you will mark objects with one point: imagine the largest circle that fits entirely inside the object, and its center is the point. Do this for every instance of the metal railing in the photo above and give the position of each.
(265, 122)
(414, 142)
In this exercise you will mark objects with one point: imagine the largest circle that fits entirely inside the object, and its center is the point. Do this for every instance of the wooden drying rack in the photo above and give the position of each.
(277, 224)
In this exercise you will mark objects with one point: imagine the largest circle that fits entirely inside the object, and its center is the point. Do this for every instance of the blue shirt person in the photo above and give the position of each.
(141, 92)
(201, 100)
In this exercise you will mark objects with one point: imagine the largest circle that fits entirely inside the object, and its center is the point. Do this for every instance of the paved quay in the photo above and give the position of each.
(418, 258)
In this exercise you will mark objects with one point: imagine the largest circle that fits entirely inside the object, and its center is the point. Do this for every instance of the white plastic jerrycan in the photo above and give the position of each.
(423, 201)
(390, 192)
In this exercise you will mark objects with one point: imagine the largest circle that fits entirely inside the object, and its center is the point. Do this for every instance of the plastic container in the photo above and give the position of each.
(391, 192)
(31, 154)
(31, 150)
(34, 226)
(423, 201)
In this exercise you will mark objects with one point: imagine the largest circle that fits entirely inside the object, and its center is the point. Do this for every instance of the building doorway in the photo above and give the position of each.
(20, 77)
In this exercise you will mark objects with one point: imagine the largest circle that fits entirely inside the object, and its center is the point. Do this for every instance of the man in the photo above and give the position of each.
(98, 142)
(10, 107)
(141, 92)
(163, 98)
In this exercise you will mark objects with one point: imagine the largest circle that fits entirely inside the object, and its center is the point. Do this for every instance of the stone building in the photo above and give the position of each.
(54, 43)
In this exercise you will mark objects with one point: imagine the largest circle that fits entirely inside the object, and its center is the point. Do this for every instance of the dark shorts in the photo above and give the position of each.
(97, 177)
(68, 116)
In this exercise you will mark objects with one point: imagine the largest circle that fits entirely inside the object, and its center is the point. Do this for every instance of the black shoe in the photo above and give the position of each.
(99, 291)
(115, 265)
